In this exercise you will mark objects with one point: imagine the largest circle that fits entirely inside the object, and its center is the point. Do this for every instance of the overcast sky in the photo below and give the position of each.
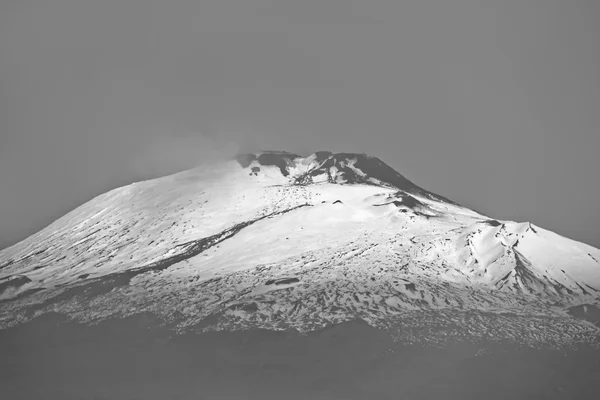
(494, 104)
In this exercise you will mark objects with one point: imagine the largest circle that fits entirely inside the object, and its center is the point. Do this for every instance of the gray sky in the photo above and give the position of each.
(494, 104)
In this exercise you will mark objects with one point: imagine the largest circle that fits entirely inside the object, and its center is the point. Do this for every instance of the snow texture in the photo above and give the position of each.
(278, 241)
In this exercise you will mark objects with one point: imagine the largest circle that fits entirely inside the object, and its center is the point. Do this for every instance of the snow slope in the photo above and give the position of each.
(278, 241)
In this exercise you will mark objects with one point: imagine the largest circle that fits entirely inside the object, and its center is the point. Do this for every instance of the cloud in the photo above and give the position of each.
(168, 153)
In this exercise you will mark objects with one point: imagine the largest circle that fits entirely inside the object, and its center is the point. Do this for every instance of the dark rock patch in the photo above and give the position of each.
(375, 168)
(83, 276)
(323, 155)
(102, 285)
(410, 286)
(587, 312)
(7, 264)
(372, 167)
(337, 202)
(287, 281)
(280, 160)
(350, 176)
(14, 283)
(404, 200)
(209, 321)
(411, 202)
(492, 222)
(282, 281)
(22, 295)
(252, 307)
(317, 172)
(255, 171)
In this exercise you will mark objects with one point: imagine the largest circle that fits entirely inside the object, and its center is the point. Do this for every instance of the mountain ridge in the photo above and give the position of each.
(277, 241)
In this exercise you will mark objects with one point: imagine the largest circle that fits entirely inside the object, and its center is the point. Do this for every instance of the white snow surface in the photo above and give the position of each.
(251, 245)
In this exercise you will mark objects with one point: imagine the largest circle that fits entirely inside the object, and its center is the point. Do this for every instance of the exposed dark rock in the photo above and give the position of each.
(255, 171)
(411, 202)
(22, 295)
(99, 286)
(587, 312)
(411, 287)
(252, 307)
(372, 167)
(280, 160)
(286, 281)
(404, 200)
(323, 155)
(317, 172)
(7, 264)
(493, 222)
(14, 283)
(282, 281)
(375, 168)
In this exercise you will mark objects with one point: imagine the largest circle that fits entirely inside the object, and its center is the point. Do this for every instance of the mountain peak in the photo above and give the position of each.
(276, 240)
(326, 166)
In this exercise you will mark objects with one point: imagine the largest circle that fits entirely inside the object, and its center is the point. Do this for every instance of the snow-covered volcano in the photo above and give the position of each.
(277, 241)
